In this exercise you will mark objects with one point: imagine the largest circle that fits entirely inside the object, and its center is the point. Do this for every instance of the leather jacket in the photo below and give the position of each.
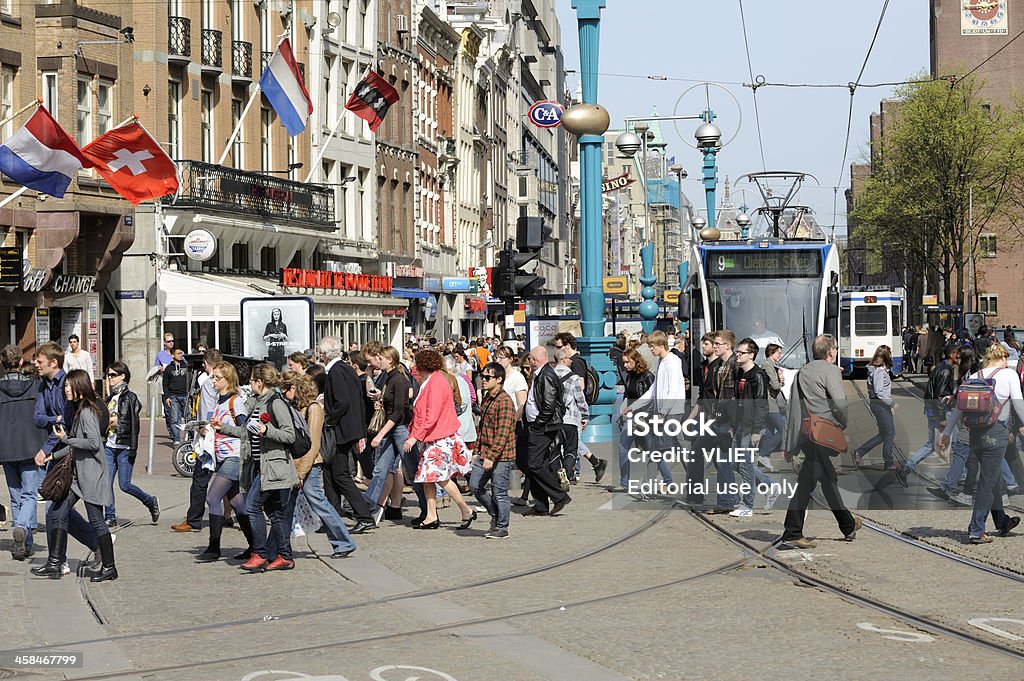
(548, 395)
(127, 430)
(941, 384)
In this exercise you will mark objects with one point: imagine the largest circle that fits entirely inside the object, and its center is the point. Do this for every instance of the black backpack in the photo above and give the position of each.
(303, 442)
(591, 382)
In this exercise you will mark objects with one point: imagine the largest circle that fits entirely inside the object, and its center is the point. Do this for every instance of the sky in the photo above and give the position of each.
(801, 129)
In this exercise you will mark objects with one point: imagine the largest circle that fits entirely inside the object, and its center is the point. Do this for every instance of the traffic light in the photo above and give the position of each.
(511, 281)
(531, 233)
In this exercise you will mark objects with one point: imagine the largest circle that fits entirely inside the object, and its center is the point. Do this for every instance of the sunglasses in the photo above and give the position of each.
(111, 374)
(217, 378)
(487, 377)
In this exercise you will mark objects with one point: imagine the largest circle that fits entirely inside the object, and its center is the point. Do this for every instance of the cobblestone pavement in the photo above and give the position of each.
(652, 606)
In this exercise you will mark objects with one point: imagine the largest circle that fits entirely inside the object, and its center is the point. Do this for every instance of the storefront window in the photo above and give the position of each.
(230, 338)
(202, 332)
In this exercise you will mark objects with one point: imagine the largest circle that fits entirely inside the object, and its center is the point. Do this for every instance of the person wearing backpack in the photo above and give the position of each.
(589, 382)
(267, 473)
(984, 402)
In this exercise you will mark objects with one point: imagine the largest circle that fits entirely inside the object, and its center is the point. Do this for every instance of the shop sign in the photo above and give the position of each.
(335, 281)
(546, 114)
(42, 325)
(620, 182)
(476, 305)
(34, 280)
(92, 311)
(74, 283)
(200, 245)
(409, 271)
(432, 284)
(11, 267)
(455, 284)
(132, 294)
(482, 275)
(615, 285)
(672, 297)
(393, 312)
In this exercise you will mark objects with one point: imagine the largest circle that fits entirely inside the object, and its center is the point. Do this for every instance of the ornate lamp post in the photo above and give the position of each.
(709, 141)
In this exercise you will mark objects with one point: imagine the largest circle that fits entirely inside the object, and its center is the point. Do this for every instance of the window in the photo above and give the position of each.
(206, 124)
(5, 7)
(268, 259)
(6, 100)
(50, 92)
(240, 256)
(870, 320)
(293, 155)
(237, 20)
(266, 135)
(174, 119)
(988, 303)
(104, 106)
(896, 319)
(327, 116)
(987, 245)
(84, 106)
(236, 149)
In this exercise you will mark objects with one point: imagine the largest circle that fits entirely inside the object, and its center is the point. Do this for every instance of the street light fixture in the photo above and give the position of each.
(743, 220)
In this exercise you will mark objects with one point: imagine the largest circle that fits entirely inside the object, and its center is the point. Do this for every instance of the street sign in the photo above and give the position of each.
(546, 114)
(131, 294)
(672, 297)
(11, 267)
(616, 285)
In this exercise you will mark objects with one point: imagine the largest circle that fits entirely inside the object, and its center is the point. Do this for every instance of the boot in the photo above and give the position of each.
(246, 526)
(212, 551)
(109, 571)
(58, 544)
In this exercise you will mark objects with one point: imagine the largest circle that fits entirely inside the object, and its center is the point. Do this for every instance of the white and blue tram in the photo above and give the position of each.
(771, 290)
(870, 317)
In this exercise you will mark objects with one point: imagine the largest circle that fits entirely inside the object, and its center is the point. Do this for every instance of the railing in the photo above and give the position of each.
(179, 37)
(206, 185)
(241, 59)
(212, 48)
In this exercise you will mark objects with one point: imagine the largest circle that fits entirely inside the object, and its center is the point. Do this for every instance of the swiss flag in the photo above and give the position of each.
(133, 163)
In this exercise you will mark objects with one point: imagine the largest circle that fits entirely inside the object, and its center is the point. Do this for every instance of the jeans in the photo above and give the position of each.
(771, 436)
(496, 501)
(625, 443)
(928, 447)
(23, 478)
(957, 465)
(724, 477)
(274, 502)
(384, 462)
(120, 461)
(62, 515)
(411, 462)
(313, 490)
(173, 415)
(747, 467)
(988, 444)
(886, 432)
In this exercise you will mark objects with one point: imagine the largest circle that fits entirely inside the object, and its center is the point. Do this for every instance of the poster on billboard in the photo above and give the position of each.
(275, 327)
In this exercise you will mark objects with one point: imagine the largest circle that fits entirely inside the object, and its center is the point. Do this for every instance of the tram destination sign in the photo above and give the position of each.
(764, 263)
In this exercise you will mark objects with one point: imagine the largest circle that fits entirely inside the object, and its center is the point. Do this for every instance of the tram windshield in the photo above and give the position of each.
(780, 311)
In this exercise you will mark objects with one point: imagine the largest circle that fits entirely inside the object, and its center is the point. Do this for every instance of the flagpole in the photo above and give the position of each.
(38, 102)
(248, 105)
(323, 147)
(17, 192)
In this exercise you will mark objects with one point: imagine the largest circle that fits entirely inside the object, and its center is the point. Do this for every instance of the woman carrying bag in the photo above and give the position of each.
(90, 481)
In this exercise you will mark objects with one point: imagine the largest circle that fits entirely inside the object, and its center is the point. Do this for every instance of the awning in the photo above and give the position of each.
(399, 292)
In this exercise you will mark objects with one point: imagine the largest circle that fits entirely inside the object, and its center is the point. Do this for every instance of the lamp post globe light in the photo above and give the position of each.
(743, 220)
(709, 141)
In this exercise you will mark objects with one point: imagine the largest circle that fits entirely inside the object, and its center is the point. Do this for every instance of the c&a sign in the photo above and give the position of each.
(334, 281)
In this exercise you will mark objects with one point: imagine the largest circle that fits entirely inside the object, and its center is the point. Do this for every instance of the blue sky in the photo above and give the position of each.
(790, 42)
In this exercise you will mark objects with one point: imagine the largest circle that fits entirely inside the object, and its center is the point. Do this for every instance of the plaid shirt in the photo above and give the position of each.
(496, 435)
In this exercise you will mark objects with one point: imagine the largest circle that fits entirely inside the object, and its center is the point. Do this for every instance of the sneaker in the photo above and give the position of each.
(742, 512)
(65, 569)
(800, 543)
(1011, 523)
(766, 463)
(494, 525)
(983, 539)
(857, 524)
(497, 534)
(154, 510)
(599, 469)
(519, 501)
(378, 515)
(962, 499)
(280, 563)
(858, 458)
(20, 550)
(111, 522)
(901, 475)
(938, 493)
(256, 563)
(770, 501)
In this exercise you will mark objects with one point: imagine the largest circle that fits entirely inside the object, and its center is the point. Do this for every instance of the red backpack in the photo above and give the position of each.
(976, 401)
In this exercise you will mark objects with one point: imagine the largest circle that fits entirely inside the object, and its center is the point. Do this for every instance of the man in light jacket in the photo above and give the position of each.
(819, 390)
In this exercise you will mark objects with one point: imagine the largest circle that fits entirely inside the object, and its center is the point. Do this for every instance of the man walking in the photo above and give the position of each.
(818, 390)
(495, 450)
(723, 408)
(667, 394)
(751, 416)
(544, 412)
(22, 440)
(175, 394)
(345, 414)
(566, 342)
(939, 395)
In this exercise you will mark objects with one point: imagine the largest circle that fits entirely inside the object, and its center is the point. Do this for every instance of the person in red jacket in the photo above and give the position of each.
(435, 428)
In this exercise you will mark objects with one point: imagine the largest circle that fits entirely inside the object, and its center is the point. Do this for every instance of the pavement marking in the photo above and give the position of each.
(983, 623)
(896, 634)
(536, 654)
(375, 674)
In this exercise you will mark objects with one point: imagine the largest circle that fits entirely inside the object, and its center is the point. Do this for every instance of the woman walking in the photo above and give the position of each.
(638, 381)
(435, 427)
(988, 444)
(227, 453)
(122, 443)
(389, 441)
(883, 407)
(267, 472)
(90, 481)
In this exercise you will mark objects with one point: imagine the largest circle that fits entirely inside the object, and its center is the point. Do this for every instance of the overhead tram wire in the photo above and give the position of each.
(989, 57)
(750, 70)
(853, 89)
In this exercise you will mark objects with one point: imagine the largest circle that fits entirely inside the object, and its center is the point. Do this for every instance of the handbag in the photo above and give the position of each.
(376, 422)
(820, 431)
(57, 483)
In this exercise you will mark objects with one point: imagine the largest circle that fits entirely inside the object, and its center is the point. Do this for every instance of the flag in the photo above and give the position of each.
(282, 83)
(133, 163)
(372, 99)
(42, 156)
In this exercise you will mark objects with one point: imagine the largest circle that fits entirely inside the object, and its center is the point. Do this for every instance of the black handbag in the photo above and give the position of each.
(57, 483)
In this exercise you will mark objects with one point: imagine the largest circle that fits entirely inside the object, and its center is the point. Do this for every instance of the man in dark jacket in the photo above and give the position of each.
(345, 416)
(543, 414)
(175, 389)
(21, 442)
(939, 395)
(751, 416)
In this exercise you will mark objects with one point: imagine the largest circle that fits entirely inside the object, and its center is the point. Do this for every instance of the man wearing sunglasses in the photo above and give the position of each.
(495, 450)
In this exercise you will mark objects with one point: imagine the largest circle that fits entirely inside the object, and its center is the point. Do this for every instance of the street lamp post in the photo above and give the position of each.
(709, 141)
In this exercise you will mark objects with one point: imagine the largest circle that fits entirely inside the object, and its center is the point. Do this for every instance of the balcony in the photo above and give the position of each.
(218, 188)
(241, 60)
(179, 39)
(265, 61)
(212, 50)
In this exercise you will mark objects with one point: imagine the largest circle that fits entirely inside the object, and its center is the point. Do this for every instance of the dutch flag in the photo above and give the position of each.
(42, 156)
(282, 83)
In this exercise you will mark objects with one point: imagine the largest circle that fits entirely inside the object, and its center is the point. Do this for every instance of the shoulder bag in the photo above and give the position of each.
(819, 430)
(57, 483)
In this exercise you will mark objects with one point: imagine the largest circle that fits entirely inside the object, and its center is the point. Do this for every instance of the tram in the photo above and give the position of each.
(870, 317)
(772, 290)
